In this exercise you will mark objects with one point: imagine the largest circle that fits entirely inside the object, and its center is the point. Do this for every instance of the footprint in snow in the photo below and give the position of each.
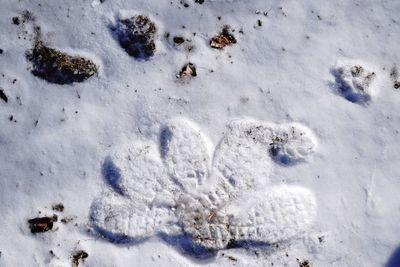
(203, 203)
(354, 82)
(136, 34)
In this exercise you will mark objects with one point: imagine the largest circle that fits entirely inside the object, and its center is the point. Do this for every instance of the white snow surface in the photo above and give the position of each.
(263, 134)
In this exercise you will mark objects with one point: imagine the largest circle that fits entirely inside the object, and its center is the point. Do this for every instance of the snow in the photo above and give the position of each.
(318, 176)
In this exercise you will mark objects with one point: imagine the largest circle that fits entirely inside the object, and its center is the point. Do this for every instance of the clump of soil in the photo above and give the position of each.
(42, 224)
(188, 70)
(137, 36)
(223, 39)
(58, 67)
(80, 255)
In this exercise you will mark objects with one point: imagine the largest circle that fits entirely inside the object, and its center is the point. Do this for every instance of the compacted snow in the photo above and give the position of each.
(199, 133)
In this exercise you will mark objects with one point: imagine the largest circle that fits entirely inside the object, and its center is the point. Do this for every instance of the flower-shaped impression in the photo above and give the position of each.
(179, 190)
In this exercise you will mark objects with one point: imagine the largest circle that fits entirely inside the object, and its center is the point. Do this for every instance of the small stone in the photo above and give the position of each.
(188, 70)
(223, 39)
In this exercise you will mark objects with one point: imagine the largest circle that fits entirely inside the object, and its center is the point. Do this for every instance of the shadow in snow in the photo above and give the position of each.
(165, 139)
(346, 90)
(394, 260)
(112, 174)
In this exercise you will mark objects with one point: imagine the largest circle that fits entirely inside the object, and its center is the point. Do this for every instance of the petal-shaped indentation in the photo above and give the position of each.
(184, 151)
(122, 220)
(241, 164)
(281, 214)
(138, 173)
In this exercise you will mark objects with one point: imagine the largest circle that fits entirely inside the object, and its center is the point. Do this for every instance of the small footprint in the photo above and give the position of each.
(203, 203)
(136, 35)
(59, 67)
(354, 82)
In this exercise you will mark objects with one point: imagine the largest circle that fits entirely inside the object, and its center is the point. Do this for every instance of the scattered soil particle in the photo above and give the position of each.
(394, 74)
(184, 3)
(58, 207)
(136, 35)
(3, 96)
(199, 1)
(356, 70)
(80, 255)
(42, 224)
(1, 51)
(231, 258)
(58, 67)
(15, 20)
(27, 16)
(188, 70)
(178, 40)
(223, 39)
(66, 219)
(259, 23)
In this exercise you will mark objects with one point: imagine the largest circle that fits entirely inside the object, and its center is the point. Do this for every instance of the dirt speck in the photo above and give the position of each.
(58, 207)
